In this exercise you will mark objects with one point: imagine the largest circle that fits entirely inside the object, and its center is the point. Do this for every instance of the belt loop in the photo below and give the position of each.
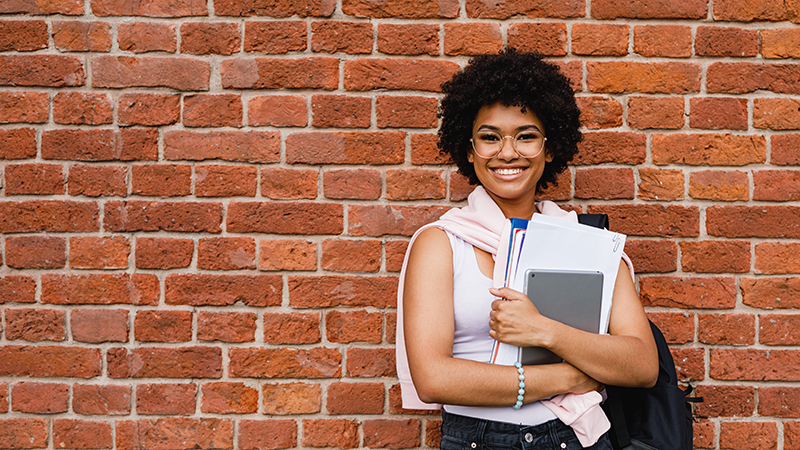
(480, 432)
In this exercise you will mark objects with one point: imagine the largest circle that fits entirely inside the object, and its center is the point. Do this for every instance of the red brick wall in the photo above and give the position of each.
(205, 205)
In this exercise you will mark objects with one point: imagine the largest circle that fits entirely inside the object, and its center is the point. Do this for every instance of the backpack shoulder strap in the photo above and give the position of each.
(594, 220)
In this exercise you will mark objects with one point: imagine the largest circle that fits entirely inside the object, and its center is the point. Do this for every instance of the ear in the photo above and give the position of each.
(548, 157)
(471, 156)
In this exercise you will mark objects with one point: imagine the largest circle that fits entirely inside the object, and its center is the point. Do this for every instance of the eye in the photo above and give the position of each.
(487, 136)
(529, 136)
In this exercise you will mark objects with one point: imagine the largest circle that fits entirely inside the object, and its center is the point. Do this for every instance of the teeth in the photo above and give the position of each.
(508, 171)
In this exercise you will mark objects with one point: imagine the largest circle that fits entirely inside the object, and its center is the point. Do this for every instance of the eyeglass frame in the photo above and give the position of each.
(513, 144)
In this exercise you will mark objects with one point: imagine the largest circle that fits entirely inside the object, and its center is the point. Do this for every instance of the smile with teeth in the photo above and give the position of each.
(511, 171)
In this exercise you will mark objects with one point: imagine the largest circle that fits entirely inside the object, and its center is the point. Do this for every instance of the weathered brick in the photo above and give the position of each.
(228, 253)
(277, 110)
(719, 185)
(690, 363)
(285, 218)
(289, 184)
(244, 146)
(105, 400)
(670, 41)
(142, 37)
(742, 78)
(749, 435)
(360, 184)
(97, 181)
(163, 253)
(661, 184)
(152, 8)
(34, 179)
(23, 433)
(140, 215)
(413, 9)
(17, 289)
(726, 41)
(36, 252)
(715, 256)
(753, 221)
(371, 362)
(599, 39)
(472, 38)
(180, 73)
(148, 109)
(791, 435)
(100, 145)
(229, 398)
(460, 187)
(505, 10)
(776, 113)
(771, 10)
(415, 184)
(292, 328)
(82, 434)
(341, 37)
(50, 361)
(780, 43)
(771, 293)
(275, 36)
(408, 39)
(287, 254)
(162, 326)
(222, 290)
(391, 433)
(611, 147)
(17, 143)
(48, 215)
(39, 398)
(711, 149)
(677, 327)
(99, 325)
(292, 398)
(280, 73)
(433, 433)
(726, 329)
(715, 113)
(100, 289)
(341, 255)
(755, 364)
(779, 401)
(172, 399)
(225, 181)
(210, 38)
(176, 433)
(777, 258)
(649, 9)
(652, 220)
(784, 149)
(327, 291)
(267, 435)
(383, 147)
(162, 362)
(378, 220)
(315, 362)
(339, 433)
(355, 398)
(779, 329)
(306, 8)
(161, 180)
(34, 324)
(397, 74)
(545, 38)
(3, 399)
(599, 112)
(41, 70)
(604, 183)
(81, 36)
(355, 326)
(655, 112)
(23, 107)
(23, 35)
(406, 112)
(653, 256)
(726, 401)
(212, 110)
(644, 77)
(226, 326)
(344, 111)
(688, 292)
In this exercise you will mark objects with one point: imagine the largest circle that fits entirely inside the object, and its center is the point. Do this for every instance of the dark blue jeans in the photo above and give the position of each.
(459, 432)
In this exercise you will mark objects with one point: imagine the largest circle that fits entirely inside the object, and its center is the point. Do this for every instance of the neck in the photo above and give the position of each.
(521, 208)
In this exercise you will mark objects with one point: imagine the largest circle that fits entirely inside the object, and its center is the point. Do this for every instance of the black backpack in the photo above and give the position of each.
(656, 418)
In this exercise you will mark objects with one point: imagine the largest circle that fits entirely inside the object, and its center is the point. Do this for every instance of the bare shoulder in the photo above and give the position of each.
(431, 251)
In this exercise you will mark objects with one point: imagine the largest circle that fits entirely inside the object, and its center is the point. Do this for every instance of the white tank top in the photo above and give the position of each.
(472, 304)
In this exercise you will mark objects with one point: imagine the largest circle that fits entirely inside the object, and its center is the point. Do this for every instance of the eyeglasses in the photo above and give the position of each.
(527, 143)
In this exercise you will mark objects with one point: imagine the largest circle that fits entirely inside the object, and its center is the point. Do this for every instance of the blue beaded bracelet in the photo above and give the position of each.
(521, 391)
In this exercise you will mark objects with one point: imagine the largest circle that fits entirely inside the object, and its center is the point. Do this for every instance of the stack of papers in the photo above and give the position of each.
(550, 243)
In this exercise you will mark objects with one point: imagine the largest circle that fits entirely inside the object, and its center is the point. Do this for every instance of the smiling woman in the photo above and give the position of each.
(510, 123)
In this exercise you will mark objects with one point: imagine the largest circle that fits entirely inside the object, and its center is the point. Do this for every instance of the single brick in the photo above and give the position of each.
(23, 107)
(475, 38)
(292, 328)
(644, 77)
(688, 292)
(105, 400)
(715, 113)
(661, 184)
(677, 327)
(604, 183)
(225, 181)
(162, 326)
(245, 146)
(287, 254)
(415, 184)
(750, 435)
(288, 184)
(652, 255)
(210, 38)
(670, 41)
(591, 39)
(34, 324)
(163, 362)
(774, 185)
(163, 253)
(380, 220)
(382, 147)
(99, 325)
(314, 362)
(142, 37)
(39, 398)
(229, 253)
(35, 252)
(779, 329)
(715, 256)
(726, 329)
(97, 181)
(355, 326)
(749, 364)
(275, 36)
(339, 433)
(652, 220)
(148, 109)
(291, 398)
(481, 9)
(344, 37)
(395, 252)
(17, 143)
(100, 289)
(743, 77)
(599, 112)
(23, 433)
(371, 362)
(776, 113)
(780, 43)
(174, 433)
(649, 9)
(777, 258)
(141, 215)
(229, 398)
(285, 217)
(341, 111)
(34, 179)
(277, 110)
(327, 291)
(545, 38)
(406, 112)
(611, 147)
(180, 73)
(355, 398)
(23, 35)
(408, 39)
(779, 401)
(226, 326)
(100, 145)
(17, 289)
(351, 256)
(280, 73)
(153, 8)
(759, 221)
(726, 401)
(784, 149)
(369, 74)
(391, 433)
(711, 149)
(212, 110)
(81, 36)
(50, 361)
(720, 185)
(655, 112)
(176, 399)
(93, 252)
(82, 434)
(313, 8)
(41, 70)
(222, 290)
(361, 184)
(48, 215)
(726, 41)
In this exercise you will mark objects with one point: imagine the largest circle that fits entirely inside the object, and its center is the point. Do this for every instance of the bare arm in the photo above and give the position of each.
(627, 356)
(429, 328)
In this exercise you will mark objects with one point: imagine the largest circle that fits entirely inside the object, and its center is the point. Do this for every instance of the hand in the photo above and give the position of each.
(580, 383)
(515, 320)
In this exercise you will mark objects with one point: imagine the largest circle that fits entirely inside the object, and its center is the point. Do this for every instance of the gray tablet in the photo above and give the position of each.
(570, 297)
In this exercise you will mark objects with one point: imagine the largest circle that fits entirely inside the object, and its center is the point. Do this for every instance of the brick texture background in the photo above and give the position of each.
(204, 206)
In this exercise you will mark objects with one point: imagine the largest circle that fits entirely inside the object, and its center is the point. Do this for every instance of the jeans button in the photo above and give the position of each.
(473, 445)
(563, 445)
(528, 438)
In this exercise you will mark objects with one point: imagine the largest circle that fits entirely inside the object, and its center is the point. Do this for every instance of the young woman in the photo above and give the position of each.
(511, 125)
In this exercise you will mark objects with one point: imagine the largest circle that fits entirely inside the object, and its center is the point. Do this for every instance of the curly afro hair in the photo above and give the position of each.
(510, 78)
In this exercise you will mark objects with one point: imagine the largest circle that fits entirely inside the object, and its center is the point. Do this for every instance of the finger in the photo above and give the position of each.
(507, 293)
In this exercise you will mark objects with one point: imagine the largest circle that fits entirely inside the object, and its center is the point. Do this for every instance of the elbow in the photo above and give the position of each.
(428, 392)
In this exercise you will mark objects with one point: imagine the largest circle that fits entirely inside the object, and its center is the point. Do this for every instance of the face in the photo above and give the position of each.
(507, 177)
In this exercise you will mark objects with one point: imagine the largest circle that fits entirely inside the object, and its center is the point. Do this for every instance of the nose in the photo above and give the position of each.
(507, 150)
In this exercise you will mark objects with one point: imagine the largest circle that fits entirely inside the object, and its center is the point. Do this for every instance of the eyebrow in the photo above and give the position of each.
(516, 130)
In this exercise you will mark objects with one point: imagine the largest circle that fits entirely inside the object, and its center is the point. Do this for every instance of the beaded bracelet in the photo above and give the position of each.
(521, 391)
